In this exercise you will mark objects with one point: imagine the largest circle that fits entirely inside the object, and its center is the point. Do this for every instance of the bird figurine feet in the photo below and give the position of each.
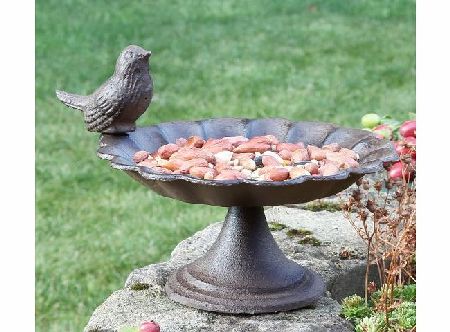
(116, 105)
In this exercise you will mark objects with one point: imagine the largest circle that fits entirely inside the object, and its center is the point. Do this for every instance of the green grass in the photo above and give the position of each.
(332, 62)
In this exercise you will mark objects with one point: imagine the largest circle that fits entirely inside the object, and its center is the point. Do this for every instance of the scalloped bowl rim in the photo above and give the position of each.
(147, 174)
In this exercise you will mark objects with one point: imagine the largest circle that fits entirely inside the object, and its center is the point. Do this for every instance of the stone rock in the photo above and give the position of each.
(144, 298)
(129, 308)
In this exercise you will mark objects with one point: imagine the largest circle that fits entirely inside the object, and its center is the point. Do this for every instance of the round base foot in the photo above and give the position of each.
(184, 288)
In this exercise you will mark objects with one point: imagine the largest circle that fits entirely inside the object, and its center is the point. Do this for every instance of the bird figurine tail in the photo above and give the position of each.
(75, 101)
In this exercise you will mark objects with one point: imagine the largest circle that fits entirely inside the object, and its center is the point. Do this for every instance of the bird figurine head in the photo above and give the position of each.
(131, 58)
(114, 107)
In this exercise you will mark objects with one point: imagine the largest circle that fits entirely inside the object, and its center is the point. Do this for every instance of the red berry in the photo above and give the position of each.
(395, 172)
(402, 149)
(398, 171)
(150, 326)
(408, 128)
(410, 140)
(398, 146)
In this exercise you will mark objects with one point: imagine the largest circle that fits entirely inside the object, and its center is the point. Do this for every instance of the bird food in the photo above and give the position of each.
(260, 158)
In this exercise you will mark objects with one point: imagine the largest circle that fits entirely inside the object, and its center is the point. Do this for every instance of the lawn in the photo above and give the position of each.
(303, 60)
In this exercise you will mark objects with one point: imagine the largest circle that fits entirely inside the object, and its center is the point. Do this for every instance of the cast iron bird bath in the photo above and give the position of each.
(245, 271)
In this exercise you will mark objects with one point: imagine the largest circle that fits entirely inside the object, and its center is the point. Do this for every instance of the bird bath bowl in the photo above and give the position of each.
(245, 271)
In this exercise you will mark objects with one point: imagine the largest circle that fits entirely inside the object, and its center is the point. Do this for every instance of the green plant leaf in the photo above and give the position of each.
(393, 123)
(405, 315)
(354, 309)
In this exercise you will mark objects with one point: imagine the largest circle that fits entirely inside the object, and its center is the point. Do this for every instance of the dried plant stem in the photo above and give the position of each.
(366, 279)
(387, 225)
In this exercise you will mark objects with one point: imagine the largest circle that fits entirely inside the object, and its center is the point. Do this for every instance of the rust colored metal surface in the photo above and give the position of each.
(115, 106)
(245, 271)
(119, 149)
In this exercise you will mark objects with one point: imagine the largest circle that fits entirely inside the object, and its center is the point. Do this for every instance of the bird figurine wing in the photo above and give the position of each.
(104, 109)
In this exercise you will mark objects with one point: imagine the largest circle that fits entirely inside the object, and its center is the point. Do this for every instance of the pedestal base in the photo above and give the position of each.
(245, 272)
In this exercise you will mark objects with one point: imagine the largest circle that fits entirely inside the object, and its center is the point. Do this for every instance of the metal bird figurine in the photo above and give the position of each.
(115, 106)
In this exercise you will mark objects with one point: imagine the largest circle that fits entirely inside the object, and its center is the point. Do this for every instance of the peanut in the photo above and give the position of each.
(270, 161)
(252, 147)
(221, 166)
(312, 168)
(235, 140)
(191, 163)
(342, 160)
(334, 147)
(349, 153)
(147, 163)
(277, 174)
(210, 174)
(230, 174)
(201, 171)
(193, 153)
(285, 154)
(223, 156)
(174, 164)
(288, 146)
(301, 144)
(181, 142)
(161, 162)
(264, 170)
(328, 169)
(217, 145)
(211, 142)
(267, 139)
(140, 156)
(240, 156)
(195, 142)
(315, 152)
(161, 170)
(300, 155)
(219, 148)
(295, 172)
(167, 150)
(248, 163)
(273, 154)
